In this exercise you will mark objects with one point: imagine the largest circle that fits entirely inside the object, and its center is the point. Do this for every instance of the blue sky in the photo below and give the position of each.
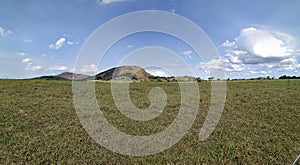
(253, 38)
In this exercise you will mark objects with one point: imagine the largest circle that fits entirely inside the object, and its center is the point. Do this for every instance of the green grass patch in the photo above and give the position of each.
(260, 124)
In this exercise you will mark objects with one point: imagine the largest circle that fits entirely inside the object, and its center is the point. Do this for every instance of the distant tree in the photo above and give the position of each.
(210, 78)
(283, 77)
(198, 79)
(289, 77)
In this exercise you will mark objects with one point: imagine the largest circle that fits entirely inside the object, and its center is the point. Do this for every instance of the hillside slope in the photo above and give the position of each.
(124, 73)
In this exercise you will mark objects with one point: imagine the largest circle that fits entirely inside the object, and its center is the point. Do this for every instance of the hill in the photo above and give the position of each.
(72, 76)
(124, 73)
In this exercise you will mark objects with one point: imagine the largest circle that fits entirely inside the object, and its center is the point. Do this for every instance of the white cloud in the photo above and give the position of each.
(70, 43)
(27, 40)
(27, 60)
(259, 47)
(253, 72)
(89, 68)
(228, 44)
(187, 54)
(289, 61)
(37, 67)
(34, 68)
(233, 58)
(9, 32)
(289, 64)
(21, 54)
(214, 64)
(1, 31)
(105, 2)
(29, 66)
(159, 73)
(222, 65)
(263, 43)
(5, 33)
(58, 44)
(60, 68)
(285, 64)
(234, 68)
(263, 72)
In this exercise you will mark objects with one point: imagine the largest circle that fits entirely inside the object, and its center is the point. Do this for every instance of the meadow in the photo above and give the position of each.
(260, 124)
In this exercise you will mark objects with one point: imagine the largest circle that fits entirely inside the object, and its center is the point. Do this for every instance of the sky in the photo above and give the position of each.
(253, 38)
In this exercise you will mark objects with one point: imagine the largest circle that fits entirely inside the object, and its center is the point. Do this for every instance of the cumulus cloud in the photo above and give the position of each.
(105, 2)
(27, 60)
(36, 67)
(59, 68)
(253, 72)
(289, 64)
(33, 67)
(58, 44)
(285, 64)
(260, 47)
(70, 43)
(3, 32)
(263, 72)
(222, 65)
(214, 64)
(29, 64)
(89, 68)
(263, 43)
(257, 45)
(21, 54)
(234, 67)
(228, 44)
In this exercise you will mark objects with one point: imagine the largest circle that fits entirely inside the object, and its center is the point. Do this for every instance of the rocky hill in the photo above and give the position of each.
(124, 73)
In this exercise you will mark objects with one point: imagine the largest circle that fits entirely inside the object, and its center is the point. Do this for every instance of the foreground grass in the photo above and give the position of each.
(260, 124)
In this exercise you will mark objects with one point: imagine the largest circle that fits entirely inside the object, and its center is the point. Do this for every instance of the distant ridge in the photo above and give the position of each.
(65, 76)
(72, 76)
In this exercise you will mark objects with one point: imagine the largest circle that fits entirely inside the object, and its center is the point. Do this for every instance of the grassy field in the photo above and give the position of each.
(260, 124)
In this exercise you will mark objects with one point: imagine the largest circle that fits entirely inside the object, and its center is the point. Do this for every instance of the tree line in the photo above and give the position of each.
(289, 77)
